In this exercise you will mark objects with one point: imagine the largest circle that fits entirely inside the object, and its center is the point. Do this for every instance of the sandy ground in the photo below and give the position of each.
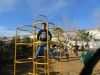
(74, 66)
(71, 67)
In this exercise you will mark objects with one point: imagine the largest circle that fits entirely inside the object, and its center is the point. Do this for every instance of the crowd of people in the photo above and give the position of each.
(84, 52)
(66, 49)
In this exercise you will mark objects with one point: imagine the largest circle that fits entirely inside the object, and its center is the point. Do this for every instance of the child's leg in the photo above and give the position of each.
(50, 52)
(40, 50)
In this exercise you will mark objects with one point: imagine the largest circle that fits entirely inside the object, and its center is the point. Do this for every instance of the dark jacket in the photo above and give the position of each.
(42, 35)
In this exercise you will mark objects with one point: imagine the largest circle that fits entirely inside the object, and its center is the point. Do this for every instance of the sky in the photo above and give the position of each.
(64, 13)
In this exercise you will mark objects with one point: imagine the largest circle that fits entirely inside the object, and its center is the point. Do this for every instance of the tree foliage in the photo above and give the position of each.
(58, 31)
(25, 39)
(84, 35)
(8, 49)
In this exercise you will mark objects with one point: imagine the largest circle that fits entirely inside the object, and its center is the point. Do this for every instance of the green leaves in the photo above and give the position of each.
(58, 31)
(26, 39)
(8, 49)
(84, 35)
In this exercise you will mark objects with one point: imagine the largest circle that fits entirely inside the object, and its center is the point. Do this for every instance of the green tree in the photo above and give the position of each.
(8, 50)
(58, 32)
(84, 35)
(24, 51)
(26, 39)
(2, 44)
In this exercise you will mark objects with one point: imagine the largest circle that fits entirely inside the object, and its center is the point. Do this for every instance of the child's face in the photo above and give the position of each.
(43, 26)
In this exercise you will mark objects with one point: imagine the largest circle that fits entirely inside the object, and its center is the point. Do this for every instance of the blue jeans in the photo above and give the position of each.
(41, 50)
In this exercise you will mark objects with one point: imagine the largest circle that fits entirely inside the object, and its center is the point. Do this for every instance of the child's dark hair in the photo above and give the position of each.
(44, 24)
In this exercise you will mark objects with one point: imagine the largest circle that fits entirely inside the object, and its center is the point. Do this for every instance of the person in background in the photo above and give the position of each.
(66, 52)
(82, 47)
(71, 48)
(86, 54)
(87, 47)
(76, 47)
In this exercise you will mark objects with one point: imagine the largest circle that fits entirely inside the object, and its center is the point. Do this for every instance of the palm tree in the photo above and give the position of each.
(84, 36)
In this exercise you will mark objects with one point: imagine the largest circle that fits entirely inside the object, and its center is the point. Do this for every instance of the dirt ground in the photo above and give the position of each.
(71, 67)
(74, 67)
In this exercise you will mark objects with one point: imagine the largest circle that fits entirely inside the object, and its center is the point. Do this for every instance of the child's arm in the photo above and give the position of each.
(38, 35)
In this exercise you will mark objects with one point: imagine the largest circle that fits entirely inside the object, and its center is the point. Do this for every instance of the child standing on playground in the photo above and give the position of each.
(42, 38)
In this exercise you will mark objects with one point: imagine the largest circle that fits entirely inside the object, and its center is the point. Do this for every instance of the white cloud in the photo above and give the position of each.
(36, 6)
(96, 15)
(46, 6)
(6, 31)
(56, 6)
(7, 5)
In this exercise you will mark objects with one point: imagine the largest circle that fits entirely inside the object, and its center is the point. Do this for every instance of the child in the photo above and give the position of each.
(42, 37)
(67, 53)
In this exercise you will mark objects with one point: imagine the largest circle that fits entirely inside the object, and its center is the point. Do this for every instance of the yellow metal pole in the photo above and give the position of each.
(48, 52)
(60, 64)
(45, 60)
(34, 51)
(33, 54)
(60, 53)
(15, 53)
